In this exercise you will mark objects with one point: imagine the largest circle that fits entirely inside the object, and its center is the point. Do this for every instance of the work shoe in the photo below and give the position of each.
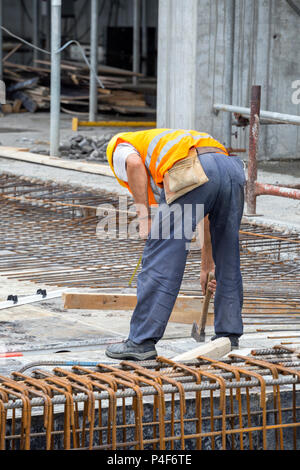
(234, 340)
(130, 350)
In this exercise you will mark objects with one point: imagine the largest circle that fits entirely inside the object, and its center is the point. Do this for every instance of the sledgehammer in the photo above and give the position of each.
(198, 332)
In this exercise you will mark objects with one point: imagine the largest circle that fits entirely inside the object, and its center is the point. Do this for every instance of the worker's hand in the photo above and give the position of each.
(144, 227)
(212, 285)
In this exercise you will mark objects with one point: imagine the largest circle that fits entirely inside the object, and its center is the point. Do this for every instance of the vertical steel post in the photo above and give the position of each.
(35, 21)
(136, 39)
(253, 145)
(144, 37)
(55, 76)
(1, 45)
(94, 60)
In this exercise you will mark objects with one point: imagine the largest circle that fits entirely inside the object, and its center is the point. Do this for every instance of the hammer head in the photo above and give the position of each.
(199, 336)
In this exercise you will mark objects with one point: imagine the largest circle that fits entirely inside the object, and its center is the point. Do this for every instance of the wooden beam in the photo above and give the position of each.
(19, 154)
(187, 309)
(212, 349)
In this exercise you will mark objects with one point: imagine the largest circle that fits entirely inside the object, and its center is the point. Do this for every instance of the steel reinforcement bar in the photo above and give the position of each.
(241, 403)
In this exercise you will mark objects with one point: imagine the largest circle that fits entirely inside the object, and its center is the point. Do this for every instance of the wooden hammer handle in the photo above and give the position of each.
(206, 301)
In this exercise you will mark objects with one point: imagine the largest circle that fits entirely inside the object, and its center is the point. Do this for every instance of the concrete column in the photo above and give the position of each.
(55, 77)
(177, 65)
(191, 64)
(94, 60)
(197, 44)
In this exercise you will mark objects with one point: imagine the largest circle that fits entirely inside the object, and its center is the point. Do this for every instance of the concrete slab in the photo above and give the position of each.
(41, 332)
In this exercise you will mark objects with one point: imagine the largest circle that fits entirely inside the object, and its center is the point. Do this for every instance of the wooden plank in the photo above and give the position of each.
(6, 108)
(12, 52)
(186, 310)
(85, 167)
(16, 106)
(106, 69)
(133, 110)
(27, 102)
(212, 349)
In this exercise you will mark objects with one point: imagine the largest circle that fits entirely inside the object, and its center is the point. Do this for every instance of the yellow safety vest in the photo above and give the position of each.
(159, 150)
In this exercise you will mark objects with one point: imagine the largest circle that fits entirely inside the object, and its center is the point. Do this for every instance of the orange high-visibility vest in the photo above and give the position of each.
(160, 149)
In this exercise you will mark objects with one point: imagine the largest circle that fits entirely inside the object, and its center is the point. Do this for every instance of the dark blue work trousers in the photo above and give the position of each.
(165, 254)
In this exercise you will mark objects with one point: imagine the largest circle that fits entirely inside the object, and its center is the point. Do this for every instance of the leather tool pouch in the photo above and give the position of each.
(184, 176)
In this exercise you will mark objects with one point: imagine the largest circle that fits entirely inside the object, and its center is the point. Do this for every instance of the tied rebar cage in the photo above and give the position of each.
(245, 403)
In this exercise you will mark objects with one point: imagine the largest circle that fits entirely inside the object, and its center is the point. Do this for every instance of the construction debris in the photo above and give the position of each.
(28, 89)
(81, 147)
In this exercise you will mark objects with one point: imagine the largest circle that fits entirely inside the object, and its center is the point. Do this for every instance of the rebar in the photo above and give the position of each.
(48, 232)
(240, 403)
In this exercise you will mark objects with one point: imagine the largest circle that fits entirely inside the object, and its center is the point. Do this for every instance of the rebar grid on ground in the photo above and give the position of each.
(57, 244)
(238, 403)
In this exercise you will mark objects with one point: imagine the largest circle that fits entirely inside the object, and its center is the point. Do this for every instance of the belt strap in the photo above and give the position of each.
(202, 150)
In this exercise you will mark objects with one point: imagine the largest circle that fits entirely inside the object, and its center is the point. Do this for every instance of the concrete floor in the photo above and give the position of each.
(43, 329)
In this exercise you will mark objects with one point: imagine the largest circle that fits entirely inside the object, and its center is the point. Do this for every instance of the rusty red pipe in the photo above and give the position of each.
(262, 189)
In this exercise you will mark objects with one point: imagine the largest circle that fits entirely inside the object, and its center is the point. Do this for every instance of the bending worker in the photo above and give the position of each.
(183, 170)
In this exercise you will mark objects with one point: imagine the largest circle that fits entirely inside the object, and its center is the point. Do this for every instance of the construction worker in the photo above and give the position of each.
(182, 169)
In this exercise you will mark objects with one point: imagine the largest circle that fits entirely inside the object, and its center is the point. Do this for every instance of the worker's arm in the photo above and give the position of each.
(207, 262)
(138, 183)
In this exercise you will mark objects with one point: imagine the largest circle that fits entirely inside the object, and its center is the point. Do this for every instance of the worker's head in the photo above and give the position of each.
(110, 151)
(111, 147)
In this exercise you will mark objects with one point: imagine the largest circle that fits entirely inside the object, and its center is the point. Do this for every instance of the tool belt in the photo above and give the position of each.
(185, 175)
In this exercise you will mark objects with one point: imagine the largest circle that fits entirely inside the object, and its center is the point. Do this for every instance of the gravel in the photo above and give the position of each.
(80, 147)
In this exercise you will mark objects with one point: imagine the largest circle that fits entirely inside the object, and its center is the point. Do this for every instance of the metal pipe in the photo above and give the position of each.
(253, 142)
(35, 25)
(271, 116)
(273, 190)
(230, 6)
(94, 60)
(144, 37)
(136, 39)
(55, 76)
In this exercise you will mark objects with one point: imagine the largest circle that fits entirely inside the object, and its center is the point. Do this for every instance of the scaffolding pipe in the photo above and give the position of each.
(269, 115)
(253, 145)
(144, 37)
(230, 6)
(55, 77)
(94, 60)
(136, 39)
